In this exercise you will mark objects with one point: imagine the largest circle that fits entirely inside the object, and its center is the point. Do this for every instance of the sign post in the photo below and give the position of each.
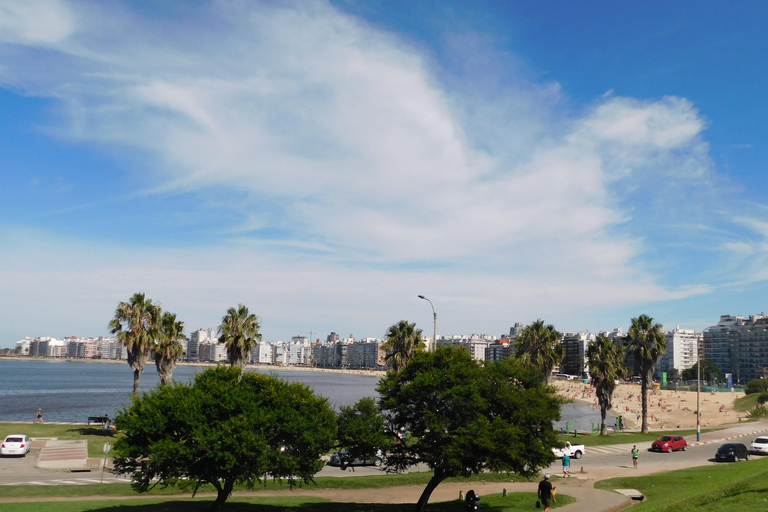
(107, 447)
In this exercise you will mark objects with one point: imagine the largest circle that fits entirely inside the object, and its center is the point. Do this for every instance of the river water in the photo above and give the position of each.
(70, 391)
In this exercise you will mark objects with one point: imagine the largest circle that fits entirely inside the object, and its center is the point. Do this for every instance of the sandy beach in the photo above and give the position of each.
(666, 409)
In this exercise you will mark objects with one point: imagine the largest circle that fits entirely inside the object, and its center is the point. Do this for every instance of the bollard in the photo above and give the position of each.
(504, 493)
(461, 495)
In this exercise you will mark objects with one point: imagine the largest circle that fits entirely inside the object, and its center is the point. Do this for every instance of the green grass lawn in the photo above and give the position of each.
(621, 438)
(361, 482)
(745, 403)
(95, 436)
(514, 502)
(724, 487)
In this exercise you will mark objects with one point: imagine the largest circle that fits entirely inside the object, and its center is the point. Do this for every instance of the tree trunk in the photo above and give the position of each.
(644, 398)
(431, 486)
(223, 493)
(165, 370)
(603, 411)
(136, 374)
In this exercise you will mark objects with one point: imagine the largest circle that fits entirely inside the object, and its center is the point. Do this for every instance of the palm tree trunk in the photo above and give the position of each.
(644, 396)
(136, 373)
(603, 410)
(165, 370)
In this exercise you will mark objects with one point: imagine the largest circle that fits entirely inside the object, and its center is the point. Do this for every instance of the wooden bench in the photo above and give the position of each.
(98, 419)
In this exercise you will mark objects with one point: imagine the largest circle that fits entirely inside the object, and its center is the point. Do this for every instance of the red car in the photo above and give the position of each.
(669, 443)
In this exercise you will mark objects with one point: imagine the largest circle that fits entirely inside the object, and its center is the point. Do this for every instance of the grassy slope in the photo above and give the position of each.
(724, 487)
(745, 403)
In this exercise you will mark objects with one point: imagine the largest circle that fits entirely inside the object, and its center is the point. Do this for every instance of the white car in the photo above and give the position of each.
(15, 444)
(572, 450)
(760, 446)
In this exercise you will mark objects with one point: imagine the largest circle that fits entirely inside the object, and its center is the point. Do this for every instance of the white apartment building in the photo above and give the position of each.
(682, 347)
(195, 339)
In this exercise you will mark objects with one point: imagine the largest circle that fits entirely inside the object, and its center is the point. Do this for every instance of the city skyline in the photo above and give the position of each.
(326, 162)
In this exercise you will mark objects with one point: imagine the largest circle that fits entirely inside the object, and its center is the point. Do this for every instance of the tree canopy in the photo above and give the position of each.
(538, 346)
(403, 339)
(464, 418)
(135, 322)
(361, 430)
(709, 372)
(239, 330)
(226, 428)
(168, 347)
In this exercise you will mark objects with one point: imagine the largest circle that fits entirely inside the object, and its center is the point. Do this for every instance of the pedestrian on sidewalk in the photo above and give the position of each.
(635, 453)
(546, 494)
(566, 465)
(39, 418)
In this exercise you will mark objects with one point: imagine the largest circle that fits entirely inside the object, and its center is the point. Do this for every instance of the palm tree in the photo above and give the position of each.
(606, 366)
(239, 329)
(647, 342)
(168, 348)
(134, 323)
(403, 339)
(538, 346)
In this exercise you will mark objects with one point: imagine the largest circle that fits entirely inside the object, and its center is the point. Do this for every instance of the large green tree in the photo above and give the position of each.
(403, 340)
(539, 346)
(226, 428)
(606, 366)
(362, 430)
(168, 347)
(135, 323)
(709, 371)
(647, 342)
(239, 330)
(465, 418)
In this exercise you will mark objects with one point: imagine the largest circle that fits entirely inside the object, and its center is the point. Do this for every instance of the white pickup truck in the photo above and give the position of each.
(572, 450)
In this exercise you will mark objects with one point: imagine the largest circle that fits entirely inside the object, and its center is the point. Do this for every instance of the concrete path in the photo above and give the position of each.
(63, 455)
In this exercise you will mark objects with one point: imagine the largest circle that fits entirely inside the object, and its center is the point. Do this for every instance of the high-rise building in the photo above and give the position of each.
(682, 346)
(738, 346)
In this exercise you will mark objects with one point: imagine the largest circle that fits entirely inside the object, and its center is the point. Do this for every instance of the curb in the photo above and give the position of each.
(699, 443)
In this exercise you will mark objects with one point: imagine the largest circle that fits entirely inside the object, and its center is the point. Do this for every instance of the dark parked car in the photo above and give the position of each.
(343, 460)
(669, 443)
(733, 452)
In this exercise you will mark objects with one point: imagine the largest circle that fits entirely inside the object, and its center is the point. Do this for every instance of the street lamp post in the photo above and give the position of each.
(698, 391)
(434, 339)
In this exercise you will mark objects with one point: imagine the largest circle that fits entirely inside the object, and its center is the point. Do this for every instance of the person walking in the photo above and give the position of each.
(39, 418)
(546, 493)
(635, 453)
(566, 466)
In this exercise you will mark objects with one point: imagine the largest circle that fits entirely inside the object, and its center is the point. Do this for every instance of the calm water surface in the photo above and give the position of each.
(71, 391)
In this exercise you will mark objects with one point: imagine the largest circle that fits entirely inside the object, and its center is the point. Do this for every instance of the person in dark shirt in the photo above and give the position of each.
(545, 493)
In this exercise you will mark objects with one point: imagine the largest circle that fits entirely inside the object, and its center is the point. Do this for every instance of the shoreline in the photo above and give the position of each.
(363, 372)
(667, 409)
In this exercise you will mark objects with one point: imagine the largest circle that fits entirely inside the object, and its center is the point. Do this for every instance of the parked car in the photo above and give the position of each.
(15, 444)
(572, 450)
(759, 446)
(733, 452)
(669, 444)
(344, 460)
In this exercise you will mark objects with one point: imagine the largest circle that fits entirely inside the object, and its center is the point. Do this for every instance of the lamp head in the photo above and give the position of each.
(422, 297)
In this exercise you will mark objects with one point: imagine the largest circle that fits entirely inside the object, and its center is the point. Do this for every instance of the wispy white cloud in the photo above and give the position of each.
(365, 159)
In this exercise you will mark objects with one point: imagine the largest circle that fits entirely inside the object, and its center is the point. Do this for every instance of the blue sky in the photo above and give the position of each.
(326, 162)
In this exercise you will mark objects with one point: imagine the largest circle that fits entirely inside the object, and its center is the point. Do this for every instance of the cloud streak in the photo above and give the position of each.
(310, 123)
